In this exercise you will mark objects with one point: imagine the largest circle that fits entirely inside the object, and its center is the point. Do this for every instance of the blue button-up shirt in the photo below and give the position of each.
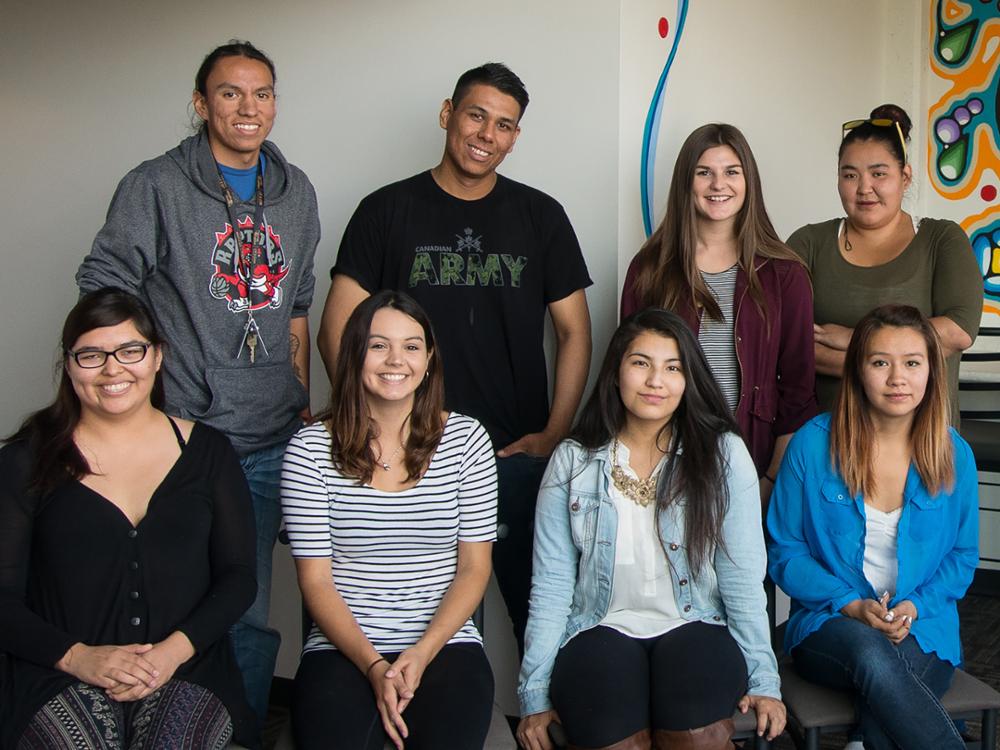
(574, 560)
(818, 543)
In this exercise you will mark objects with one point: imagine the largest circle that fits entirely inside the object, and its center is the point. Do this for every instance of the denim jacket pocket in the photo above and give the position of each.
(583, 508)
(926, 517)
(838, 509)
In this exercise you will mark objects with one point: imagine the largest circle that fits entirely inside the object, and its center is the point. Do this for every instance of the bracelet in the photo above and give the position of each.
(368, 671)
(769, 478)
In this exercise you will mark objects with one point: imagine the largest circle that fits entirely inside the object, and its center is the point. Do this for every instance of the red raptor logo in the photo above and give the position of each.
(240, 281)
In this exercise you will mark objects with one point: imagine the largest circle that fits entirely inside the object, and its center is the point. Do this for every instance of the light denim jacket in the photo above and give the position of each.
(818, 543)
(574, 561)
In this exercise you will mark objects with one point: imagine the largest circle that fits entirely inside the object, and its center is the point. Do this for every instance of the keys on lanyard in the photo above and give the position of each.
(251, 337)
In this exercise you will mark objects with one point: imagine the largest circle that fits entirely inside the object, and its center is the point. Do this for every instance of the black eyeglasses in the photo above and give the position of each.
(127, 354)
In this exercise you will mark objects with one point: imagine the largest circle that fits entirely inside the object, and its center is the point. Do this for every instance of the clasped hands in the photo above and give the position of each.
(895, 623)
(394, 686)
(127, 672)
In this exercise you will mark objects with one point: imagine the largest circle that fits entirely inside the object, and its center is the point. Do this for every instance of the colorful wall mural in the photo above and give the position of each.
(964, 126)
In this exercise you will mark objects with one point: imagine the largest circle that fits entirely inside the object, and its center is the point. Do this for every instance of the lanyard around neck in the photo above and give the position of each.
(257, 236)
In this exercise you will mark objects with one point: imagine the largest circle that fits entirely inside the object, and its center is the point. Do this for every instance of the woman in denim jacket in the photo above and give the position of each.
(647, 623)
(874, 527)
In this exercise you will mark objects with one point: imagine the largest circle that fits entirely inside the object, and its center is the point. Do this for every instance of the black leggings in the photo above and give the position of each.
(333, 706)
(607, 686)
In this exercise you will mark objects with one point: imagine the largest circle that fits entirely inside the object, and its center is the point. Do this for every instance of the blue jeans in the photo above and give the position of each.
(518, 479)
(254, 643)
(898, 687)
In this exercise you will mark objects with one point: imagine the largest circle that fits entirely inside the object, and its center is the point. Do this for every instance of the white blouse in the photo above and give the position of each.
(642, 595)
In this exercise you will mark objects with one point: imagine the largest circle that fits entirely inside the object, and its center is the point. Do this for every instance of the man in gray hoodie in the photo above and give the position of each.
(218, 237)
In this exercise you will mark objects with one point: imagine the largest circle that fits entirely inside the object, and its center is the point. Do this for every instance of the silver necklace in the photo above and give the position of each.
(386, 465)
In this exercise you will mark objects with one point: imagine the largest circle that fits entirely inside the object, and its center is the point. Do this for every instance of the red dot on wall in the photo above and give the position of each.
(988, 193)
(664, 28)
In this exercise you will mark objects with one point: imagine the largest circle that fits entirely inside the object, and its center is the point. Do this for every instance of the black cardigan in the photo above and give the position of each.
(74, 569)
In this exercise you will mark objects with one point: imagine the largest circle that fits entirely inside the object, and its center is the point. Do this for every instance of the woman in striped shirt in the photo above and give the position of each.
(390, 505)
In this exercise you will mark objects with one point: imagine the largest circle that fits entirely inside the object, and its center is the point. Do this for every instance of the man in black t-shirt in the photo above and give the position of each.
(486, 257)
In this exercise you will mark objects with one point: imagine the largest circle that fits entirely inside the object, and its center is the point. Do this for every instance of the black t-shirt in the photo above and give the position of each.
(484, 270)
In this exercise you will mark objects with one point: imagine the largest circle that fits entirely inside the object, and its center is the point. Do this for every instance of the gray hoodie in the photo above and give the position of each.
(167, 239)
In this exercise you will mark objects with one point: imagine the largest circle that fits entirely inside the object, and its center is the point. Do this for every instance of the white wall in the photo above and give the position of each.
(94, 88)
(787, 73)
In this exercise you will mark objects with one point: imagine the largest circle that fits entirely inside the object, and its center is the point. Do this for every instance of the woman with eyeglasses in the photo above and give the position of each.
(878, 253)
(717, 262)
(874, 536)
(126, 553)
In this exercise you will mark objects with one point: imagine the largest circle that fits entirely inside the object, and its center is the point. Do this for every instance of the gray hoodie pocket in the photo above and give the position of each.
(250, 404)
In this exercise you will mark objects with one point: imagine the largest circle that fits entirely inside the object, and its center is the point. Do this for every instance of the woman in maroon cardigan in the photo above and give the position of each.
(717, 262)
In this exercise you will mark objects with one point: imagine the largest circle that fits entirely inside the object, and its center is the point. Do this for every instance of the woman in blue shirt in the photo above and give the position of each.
(874, 535)
(648, 622)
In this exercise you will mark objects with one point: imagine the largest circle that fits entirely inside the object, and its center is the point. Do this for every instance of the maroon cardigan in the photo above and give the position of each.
(777, 369)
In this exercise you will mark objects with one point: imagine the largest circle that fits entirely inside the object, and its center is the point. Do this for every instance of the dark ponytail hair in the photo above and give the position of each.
(698, 426)
(888, 136)
(49, 431)
(233, 48)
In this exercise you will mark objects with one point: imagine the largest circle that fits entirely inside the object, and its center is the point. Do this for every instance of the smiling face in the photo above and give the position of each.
(895, 372)
(396, 359)
(481, 130)
(718, 187)
(651, 379)
(238, 108)
(871, 183)
(113, 389)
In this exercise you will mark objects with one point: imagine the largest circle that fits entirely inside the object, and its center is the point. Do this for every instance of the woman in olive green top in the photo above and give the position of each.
(880, 254)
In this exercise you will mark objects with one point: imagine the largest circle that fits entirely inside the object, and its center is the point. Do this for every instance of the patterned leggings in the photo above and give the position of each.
(178, 716)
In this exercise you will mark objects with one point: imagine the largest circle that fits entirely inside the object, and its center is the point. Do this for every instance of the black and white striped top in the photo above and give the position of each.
(393, 554)
(718, 337)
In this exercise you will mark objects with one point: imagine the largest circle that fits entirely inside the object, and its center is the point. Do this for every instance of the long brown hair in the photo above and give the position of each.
(49, 431)
(852, 432)
(668, 275)
(352, 426)
(696, 468)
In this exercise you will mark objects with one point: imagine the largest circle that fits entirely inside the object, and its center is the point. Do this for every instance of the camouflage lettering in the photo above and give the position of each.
(484, 275)
(422, 270)
(452, 265)
(515, 267)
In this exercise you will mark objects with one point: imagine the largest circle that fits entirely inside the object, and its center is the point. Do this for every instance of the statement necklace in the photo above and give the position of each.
(640, 491)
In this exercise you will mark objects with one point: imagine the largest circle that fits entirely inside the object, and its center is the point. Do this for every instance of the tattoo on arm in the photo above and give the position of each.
(294, 345)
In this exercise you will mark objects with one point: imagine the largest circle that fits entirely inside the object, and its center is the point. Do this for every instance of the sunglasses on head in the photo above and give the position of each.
(878, 122)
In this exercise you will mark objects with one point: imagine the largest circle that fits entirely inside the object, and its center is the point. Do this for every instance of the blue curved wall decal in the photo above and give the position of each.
(652, 126)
